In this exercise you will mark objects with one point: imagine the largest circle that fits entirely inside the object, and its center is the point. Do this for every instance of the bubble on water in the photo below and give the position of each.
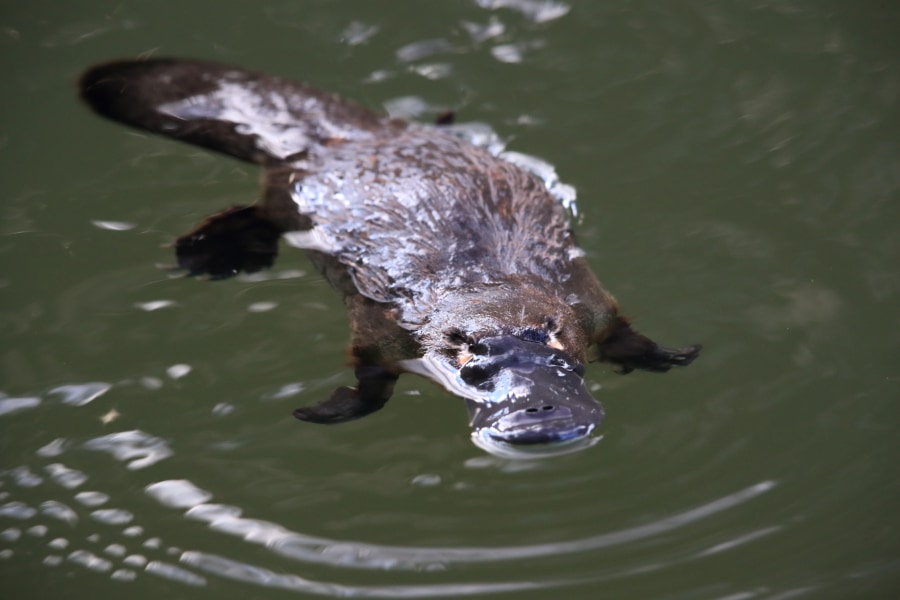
(407, 107)
(135, 560)
(92, 498)
(419, 50)
(123, 575)
(173, 550)
(177, 493)
(6, 554)
(112, 516)
(286, 391)
(536, 11)
(93, 538)
(260, 307)
(145, 449)
(223, 409)
(54, 448)
(58, 510)
(113, 225)
(178, 371)
(53, 560)
(11, 534)
(426, 480)
(211, 513)
(174, 573)
(480, 33)
(58, 543)
(117, 550)
(90, 560)
(23, 477)
(507, 53)
(133, 531)
(151, 383)
(357, 32)
(80, 394)
(64, 476)
(154, 305)
(9, 406)
(17, 510)
(37, 531)
(152, 543)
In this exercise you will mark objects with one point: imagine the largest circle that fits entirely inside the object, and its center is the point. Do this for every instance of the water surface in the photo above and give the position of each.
(738, 177)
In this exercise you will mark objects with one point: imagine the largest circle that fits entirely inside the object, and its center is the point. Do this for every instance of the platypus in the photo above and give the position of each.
(453, 263)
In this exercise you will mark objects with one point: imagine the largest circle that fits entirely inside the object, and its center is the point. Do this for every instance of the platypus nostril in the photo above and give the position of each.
(548, 407)
(531, 410)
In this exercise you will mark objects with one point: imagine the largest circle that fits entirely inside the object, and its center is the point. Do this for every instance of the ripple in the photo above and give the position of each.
(112, 516)
(174, 573)
(90, 560)
(54, 448)
(82, 393)
(232, 569)
(17, 510)
(10, 406)
(92, 498)
(277, 539)
(64, 476)
(177, 493)
(127, 445)
(60, 511)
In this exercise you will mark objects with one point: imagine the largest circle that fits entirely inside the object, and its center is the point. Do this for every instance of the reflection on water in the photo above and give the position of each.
(127, 545)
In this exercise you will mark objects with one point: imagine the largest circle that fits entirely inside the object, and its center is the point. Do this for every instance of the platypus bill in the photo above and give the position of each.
(453, 263)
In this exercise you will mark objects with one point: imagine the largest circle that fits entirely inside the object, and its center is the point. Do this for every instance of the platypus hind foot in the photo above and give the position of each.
(237, 239)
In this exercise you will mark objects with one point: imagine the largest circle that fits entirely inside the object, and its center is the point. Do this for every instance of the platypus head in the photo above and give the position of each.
(520, 368)
(530, 396)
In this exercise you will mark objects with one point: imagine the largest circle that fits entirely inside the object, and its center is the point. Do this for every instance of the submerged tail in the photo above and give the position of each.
(251, 116)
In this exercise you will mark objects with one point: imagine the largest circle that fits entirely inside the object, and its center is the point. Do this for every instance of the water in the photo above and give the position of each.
(738, 180)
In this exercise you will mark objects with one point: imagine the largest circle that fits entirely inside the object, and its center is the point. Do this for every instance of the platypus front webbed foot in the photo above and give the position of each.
(237, 239)
(629, 350)
(374, 388)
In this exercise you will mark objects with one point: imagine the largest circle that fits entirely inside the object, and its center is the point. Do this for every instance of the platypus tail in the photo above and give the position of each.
(251, 116)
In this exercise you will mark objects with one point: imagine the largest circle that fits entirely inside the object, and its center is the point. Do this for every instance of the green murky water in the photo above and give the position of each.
(738, 169)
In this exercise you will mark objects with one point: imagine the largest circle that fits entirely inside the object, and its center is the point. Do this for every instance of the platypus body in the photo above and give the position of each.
(453, 263)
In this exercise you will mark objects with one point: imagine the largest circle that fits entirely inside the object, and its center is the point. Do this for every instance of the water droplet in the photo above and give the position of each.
(58, 543)
(58, 510)
(135, 560)
(10, 406)
(64, 476)
(178, 371)
(123, 575)
(91, 498)
(17, 510)
(54, 448)
(80, 394)
(112, 516)
(133, 531)
(178, 493)
(174, 573)
(155, 305)
(90, 560)
(113, 225)
(426, 480)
